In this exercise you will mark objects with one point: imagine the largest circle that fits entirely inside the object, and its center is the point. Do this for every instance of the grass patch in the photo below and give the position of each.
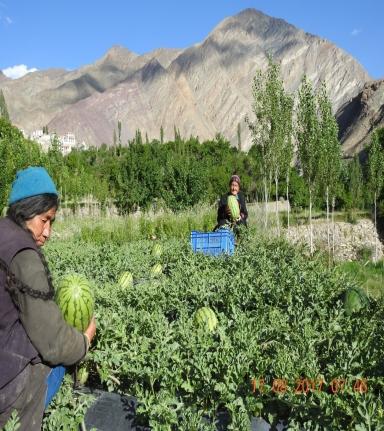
(122, 229)
(302, 217)
(369, 275)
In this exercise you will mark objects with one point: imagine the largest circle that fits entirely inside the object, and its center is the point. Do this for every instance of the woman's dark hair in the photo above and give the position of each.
(20, 212)
(27, 208)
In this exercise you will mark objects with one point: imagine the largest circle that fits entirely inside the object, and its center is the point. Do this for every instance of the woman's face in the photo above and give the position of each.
(234, 188)
(41, 225)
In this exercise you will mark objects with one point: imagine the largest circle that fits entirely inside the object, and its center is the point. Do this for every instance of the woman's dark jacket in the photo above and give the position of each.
(16, 350)
(222, 212)
(32, 328)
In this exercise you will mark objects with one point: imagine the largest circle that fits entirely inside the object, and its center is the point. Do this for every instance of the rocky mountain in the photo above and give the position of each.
(359, 117)
(202, 90)
(2, 76)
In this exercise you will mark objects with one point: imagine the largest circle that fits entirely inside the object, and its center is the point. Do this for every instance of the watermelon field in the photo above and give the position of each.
(281, 344)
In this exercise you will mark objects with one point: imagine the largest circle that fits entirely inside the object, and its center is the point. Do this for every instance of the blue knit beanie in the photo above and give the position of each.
(29, 182)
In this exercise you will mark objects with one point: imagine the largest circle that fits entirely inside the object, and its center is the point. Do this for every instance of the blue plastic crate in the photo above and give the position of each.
(213, 243)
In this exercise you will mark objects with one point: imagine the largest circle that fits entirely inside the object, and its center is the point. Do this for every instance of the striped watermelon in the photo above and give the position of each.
(82, 375)
(205, 317)
(74, 297)
(156, 270)
(157, 250)
(354, 300)
(233, 206)
(125, 280)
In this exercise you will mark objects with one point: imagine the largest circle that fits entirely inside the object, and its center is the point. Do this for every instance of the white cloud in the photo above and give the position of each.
(8, 20)
(18, 71)
(356, 31)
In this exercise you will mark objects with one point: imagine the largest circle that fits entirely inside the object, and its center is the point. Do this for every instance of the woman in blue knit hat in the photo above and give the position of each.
(35, 341)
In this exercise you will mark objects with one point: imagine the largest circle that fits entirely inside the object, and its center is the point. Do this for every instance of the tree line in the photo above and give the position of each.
(307, 119)
(295, 154)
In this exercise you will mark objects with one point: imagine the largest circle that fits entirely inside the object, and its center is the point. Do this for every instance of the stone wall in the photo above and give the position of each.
(350, 240)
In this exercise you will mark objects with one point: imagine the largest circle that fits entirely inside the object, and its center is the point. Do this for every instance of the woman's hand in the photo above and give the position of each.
(90, 332)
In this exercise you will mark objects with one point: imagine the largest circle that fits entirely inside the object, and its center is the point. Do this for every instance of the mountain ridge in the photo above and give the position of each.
(203, 89)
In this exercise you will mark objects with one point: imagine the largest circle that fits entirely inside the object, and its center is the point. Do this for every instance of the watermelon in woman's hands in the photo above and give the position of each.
(74, 297)
(233, 207)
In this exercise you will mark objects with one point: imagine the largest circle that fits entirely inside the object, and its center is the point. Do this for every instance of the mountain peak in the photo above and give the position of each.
(203, 89)
(152, 69)
(255, 22)
(117, 55)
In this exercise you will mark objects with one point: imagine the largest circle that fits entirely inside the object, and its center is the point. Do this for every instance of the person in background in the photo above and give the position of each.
(223, 214)
(35, 341)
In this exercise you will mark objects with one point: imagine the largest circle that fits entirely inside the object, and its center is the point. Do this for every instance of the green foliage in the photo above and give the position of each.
(307, 130)
(355, 299)
(67, 410)
(354, 184)
(239, 137)
(298, 191)
(376, 174)
(367, 274)
(329, 146)
(13, 423)
(16, 153)
(280, 317)
(272, 129)
(175, 175)
(129, 228)
(375, 165)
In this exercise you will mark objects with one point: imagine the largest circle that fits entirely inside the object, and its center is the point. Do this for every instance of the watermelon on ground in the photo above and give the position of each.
(74, 297)
(125, 280)
(157, 250)
(354, 300)
(205, 317)
(82, 375)
(156, 270)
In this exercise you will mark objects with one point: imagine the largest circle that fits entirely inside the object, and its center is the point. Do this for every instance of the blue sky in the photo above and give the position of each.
(68, 34)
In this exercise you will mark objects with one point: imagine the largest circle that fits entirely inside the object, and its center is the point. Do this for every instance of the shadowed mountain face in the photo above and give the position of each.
(361, 116)
(202, 90)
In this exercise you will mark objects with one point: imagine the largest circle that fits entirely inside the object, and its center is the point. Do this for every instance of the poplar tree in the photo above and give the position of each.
(3, 107)
(114, 138)
(138, 138)
(271, 130)
(119, 131)
(375, 173)
(307, 133)
(279, 129)
(355, 183)
(330, 155)
(238, 136)
(259, 130)
(287, 150)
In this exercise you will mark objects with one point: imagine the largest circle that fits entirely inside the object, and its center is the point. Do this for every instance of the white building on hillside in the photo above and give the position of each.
(45, 142)
(67, 143)
(41, 138)
(37, 134)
